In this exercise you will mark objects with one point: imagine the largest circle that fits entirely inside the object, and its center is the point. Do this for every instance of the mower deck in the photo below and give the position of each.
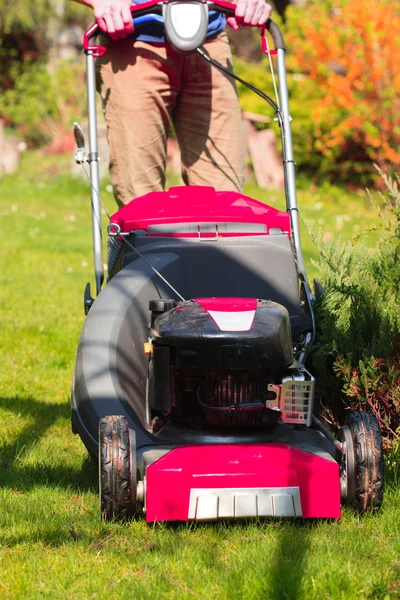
(241, 481)
(284, 472)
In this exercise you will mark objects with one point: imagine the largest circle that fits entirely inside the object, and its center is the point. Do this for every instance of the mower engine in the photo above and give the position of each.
(235, 399)
(225, 362)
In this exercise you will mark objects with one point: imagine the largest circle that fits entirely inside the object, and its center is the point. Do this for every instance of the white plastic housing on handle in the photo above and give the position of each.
(185, 24)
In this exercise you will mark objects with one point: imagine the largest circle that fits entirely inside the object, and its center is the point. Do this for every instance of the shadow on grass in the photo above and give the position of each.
(280, 573)
(276, 575)
(41, 417)
(290, 561)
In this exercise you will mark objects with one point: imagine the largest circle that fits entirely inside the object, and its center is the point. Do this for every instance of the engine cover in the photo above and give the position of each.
(226, 333)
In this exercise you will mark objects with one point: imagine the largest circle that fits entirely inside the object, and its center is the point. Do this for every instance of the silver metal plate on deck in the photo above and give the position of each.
(239, 503)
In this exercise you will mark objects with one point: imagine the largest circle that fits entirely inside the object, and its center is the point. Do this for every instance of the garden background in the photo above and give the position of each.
(344, 80)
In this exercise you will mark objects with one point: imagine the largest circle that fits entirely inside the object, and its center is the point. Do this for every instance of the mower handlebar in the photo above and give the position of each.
(155, 7)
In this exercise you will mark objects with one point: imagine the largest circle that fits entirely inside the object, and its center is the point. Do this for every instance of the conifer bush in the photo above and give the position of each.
(357, 350)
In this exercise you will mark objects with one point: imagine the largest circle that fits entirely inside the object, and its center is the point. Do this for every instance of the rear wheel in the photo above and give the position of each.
(117, 468)
(362, 461)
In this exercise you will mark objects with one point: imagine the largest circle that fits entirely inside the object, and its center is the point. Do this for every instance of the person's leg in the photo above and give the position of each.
(138, 83)
(208, 121)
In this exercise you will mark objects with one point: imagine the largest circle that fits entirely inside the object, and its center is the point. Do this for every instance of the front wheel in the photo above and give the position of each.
(362, 461)
(117, 468)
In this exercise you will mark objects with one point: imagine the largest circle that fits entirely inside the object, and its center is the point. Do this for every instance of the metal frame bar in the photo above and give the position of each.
(93, 160)
(290, 190)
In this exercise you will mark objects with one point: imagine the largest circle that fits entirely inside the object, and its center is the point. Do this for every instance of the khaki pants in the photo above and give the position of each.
(145, 87)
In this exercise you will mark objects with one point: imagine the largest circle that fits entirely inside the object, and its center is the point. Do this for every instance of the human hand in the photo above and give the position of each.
(114, 17)
(253, 13)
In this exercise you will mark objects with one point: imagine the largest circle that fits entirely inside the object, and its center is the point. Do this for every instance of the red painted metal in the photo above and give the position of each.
(170, 479)
(264, 44)
(198, 204)
(97, 51)
(230, 314)
(227, 304)
(143, 5)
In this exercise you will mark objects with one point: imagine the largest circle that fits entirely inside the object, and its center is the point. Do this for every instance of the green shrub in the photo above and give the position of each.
(43, 104)
(28, 29)
(38, 17)
(357, 348)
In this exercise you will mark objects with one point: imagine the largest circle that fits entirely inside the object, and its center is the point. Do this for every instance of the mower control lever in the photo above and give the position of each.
(80, 155)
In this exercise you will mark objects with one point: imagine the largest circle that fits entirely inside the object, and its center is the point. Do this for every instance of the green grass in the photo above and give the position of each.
(52, 543)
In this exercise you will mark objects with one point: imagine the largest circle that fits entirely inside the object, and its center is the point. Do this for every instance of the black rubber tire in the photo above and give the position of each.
(117, 476)
(365, 460)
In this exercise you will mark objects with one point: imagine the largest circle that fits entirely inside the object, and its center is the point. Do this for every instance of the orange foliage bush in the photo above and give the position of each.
(350, 49)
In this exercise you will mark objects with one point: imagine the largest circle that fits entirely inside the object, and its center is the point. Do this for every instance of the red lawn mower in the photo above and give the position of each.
(190, 386)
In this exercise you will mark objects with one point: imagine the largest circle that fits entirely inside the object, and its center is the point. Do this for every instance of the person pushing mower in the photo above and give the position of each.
(146, 85)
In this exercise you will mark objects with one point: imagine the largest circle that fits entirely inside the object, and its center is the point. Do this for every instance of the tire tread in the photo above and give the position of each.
(114, 468)
(368, 455)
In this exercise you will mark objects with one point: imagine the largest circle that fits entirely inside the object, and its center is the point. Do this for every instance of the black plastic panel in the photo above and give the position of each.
(200, 344)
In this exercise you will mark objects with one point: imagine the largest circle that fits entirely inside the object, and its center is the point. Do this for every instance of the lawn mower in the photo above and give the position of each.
(191, 387)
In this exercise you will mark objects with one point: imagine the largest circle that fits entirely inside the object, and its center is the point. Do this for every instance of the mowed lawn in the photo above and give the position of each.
(52, 542)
